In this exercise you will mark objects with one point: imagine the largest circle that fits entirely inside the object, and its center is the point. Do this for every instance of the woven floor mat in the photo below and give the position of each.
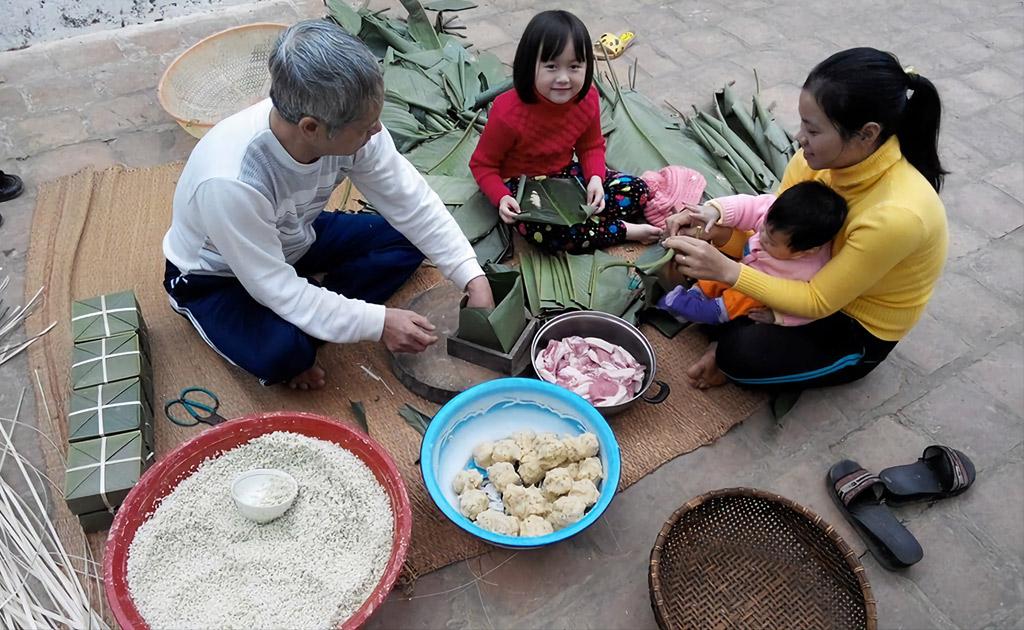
(100, 231)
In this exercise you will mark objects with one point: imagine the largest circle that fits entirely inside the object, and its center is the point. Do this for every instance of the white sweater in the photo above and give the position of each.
(245, 208)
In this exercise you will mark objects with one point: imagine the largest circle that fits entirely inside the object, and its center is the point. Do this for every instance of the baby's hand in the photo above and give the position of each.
(595, 194)
(704, 216)
(508, 209)
(764, 315)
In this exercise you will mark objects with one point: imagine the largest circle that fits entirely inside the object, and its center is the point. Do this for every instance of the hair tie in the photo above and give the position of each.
(912, 76)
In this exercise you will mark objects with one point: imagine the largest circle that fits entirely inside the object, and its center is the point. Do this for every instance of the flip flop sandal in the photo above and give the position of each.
(860, 497)
(613, 45)
(939, 473)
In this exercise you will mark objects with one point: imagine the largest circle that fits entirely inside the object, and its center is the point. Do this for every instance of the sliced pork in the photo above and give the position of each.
(601, 372)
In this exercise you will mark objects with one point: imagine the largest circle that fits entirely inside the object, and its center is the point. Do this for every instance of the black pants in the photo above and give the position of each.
(829, 351)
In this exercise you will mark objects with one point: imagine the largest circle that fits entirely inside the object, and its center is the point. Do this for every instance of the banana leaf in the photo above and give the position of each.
(477, 217)
(740, 120)
(753, 167)
(415, 418)
(359, 411)
(449, 5)
(554, 200)
(611, 292)
(526, 266)
(490, 70)
(426, 59)
(419, 25)
(496, 328)
(731, 112)
(776, 136)
(402, 125)
(345, 16)
(408, 83)
(447, 154)
(455, 191)
(726, 166)
(495, 246)
(379, 32)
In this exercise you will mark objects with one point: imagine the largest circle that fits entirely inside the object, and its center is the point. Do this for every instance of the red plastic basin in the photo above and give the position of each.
(167, 473)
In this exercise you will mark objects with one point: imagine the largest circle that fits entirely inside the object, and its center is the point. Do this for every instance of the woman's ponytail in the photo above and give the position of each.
(861, 85)
(918, 131)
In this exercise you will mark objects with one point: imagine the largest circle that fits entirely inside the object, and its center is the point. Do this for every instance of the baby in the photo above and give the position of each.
(792, 239)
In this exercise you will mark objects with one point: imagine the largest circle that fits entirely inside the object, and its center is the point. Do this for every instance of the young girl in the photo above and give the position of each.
(534, 130)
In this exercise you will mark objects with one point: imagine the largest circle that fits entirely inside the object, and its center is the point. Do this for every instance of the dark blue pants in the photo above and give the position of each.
(362, 257)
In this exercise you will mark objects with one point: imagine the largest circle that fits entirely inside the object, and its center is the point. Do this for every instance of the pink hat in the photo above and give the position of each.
(670, 188)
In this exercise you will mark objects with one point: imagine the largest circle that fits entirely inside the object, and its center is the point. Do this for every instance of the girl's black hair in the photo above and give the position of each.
(809, 214)
(861, 85)
(545, 38)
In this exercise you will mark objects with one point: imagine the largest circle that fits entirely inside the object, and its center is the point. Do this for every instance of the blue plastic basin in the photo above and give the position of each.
(495, 410)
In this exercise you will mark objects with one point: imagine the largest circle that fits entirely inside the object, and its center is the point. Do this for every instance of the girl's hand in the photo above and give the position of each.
(691, 223)
(595, 193)
(508, 209)
(701, 260)
(705, 216)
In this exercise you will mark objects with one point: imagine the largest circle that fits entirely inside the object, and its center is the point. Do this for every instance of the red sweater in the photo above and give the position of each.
(537, 139)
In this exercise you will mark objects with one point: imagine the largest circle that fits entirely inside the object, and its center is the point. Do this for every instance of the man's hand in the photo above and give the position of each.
(595, 193)
(406, 331)
(479, 291)
(508, 209)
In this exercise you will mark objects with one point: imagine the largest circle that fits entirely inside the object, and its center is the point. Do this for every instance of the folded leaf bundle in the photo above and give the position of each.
(554, 200)
(496, 328)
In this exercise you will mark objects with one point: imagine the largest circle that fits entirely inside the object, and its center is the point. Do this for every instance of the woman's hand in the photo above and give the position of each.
(764, 315)
(701, 260)
(595, 194)
(508, 209)
(479, 291)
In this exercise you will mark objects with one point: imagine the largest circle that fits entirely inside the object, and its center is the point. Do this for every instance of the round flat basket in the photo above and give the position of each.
(222, 74)
(744, 558)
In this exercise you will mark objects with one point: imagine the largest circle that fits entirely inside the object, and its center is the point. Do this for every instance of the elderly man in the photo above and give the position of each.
(249, 234)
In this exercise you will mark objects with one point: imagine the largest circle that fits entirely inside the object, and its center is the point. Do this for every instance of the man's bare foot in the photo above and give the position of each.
(313, 378)
(642, 233)
(705, 374)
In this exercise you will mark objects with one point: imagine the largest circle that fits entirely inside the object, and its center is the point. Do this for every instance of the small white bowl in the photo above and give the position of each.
(249, 491)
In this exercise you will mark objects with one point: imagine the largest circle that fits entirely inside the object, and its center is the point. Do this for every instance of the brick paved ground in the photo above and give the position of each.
(956, 379)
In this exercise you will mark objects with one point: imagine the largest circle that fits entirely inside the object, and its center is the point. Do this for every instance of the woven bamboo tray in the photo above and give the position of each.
(220, 75)
(744, 558)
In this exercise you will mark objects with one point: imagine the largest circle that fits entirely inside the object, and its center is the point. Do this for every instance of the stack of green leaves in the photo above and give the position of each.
(562, 282)
(110, 412)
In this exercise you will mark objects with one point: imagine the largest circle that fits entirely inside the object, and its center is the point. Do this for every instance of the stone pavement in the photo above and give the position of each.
(956, 379)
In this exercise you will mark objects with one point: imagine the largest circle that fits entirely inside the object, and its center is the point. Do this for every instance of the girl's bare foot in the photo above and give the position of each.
(642, 233)
(313, 378)
(705, 374)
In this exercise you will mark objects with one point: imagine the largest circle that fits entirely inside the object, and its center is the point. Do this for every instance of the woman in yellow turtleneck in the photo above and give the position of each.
(869, 130)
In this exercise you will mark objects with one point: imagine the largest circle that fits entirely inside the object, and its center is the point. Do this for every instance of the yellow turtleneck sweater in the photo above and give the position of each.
(885, 259)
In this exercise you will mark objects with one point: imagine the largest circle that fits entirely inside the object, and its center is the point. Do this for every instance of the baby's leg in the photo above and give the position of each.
(625, 199)
(692, 305)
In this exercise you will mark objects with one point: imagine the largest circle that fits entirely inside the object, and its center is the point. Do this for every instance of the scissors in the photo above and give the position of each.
(199, 403)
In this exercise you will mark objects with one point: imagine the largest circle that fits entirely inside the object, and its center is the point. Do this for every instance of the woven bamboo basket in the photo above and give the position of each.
(220, 75)
(744, 558)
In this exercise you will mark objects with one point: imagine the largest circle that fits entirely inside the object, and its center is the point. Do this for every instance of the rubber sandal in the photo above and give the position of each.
(859, 495)
(939, 473)
(613, 45)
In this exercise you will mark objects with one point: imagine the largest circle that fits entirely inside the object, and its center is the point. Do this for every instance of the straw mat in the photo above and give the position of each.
(100, 231)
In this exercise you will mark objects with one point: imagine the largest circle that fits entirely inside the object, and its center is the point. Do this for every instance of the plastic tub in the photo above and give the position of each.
(171, 469)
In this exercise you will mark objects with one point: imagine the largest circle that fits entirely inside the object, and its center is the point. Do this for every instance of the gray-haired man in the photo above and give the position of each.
(249, 229)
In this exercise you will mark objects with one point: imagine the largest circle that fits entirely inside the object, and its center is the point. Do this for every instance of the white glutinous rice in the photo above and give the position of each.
(198, 563)
(272, 490)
